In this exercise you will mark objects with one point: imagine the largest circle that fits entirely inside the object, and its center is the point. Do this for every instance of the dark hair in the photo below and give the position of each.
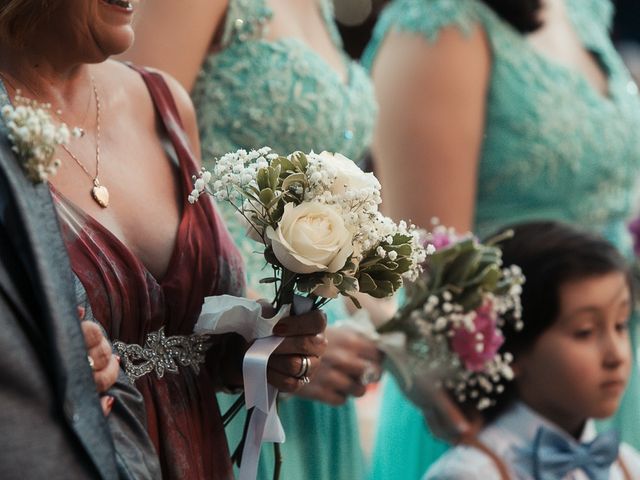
(550, 254)
(521, 14)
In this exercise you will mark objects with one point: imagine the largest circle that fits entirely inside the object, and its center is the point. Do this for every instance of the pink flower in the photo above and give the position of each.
(441, 239)
(475, 352)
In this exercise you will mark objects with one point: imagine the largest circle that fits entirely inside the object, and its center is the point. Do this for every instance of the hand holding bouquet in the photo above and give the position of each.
(317, 217)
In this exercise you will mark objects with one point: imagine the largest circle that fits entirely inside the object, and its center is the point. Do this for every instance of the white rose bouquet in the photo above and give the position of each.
(318, 219)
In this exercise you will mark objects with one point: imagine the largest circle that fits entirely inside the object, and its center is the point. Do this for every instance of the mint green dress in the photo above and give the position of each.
(553, 148)
(281, 94)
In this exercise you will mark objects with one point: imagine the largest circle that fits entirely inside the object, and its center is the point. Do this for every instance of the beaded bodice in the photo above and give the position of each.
(282, 94)
(554, 147)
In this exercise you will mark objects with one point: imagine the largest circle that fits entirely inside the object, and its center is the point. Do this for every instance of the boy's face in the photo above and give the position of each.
(578, 368)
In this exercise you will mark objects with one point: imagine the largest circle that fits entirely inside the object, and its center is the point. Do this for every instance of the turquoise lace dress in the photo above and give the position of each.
(282, 94)
(553, 148)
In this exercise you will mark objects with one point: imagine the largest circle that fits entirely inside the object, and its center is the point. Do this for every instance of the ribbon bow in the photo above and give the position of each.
(554, 456)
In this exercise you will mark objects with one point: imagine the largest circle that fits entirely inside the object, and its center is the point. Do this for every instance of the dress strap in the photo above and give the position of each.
(474, 442)
(167, 110)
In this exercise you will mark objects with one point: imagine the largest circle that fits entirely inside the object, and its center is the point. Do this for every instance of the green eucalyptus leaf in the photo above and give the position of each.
(299, 178)
(266, 196)
(262, 178)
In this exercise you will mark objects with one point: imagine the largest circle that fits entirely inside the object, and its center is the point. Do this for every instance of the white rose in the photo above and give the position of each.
(348, 175)
(311, 237)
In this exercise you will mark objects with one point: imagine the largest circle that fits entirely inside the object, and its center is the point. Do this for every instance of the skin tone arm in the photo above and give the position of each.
(429, 133)
(427, 144)
(174, 35)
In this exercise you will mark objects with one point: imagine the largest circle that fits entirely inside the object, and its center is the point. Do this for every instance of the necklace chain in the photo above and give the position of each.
(96, 180)
(99, 193)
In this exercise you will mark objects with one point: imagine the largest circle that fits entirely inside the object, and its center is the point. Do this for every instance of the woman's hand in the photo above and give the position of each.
(104, 363)
(304, 339)
(342, 371)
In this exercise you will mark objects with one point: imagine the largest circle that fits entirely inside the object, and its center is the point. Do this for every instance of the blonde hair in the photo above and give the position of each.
(19, 19)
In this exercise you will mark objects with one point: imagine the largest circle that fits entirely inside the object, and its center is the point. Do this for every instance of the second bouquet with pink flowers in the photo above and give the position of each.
(318, 219)
(450, 326)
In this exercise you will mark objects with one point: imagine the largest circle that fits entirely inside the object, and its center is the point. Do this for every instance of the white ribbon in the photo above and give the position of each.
(225, 314)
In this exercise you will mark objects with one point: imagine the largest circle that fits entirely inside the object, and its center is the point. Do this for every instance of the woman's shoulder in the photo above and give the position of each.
(463, 463)
(429, 17)
(137, 92)
(129, 78)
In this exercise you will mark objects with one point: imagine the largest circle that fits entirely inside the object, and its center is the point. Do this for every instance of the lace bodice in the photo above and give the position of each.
(554, 147)
(279, 93)
(282, 94)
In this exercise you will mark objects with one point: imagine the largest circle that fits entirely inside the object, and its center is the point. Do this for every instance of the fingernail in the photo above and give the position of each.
(118, 358)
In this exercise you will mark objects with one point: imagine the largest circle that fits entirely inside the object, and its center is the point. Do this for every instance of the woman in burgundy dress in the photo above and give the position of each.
(145, 256)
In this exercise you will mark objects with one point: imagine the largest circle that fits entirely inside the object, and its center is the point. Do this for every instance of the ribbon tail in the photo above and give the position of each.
(265, 424)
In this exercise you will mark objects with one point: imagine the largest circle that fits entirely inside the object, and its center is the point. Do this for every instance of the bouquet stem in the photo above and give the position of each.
(277, 455)
(233, 410)
(237, 454)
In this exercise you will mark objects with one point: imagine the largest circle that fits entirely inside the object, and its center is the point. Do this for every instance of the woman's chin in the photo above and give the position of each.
(115, 43)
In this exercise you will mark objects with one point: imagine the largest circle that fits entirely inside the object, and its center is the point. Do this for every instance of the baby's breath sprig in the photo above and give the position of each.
(35, 135)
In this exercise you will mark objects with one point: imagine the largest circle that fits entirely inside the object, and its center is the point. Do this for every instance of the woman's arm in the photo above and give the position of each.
(174, 35)
(427, 142)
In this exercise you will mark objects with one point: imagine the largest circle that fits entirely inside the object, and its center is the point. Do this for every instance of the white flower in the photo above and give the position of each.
(35, 136)
(311, 237)
(348, 176)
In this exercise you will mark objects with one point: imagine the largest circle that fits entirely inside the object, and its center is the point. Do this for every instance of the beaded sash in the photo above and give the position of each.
(161, 354)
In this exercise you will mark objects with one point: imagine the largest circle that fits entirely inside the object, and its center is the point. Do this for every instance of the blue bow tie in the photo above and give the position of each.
(554, 456)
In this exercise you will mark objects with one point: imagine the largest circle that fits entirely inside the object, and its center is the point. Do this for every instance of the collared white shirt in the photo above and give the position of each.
(507, 436)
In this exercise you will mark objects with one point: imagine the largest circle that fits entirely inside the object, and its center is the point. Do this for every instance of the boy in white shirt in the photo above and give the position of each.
(571, 363)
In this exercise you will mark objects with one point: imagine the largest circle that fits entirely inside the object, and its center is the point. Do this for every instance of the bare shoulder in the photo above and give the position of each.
(132, 96)
(131, 83)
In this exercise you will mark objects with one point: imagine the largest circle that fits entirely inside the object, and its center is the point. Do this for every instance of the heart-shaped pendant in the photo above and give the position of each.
(101, 195)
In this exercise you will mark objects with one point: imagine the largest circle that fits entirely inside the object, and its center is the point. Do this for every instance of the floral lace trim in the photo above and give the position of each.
(161, 354)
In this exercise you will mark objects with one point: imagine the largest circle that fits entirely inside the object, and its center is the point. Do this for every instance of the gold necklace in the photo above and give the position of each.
(99, 193)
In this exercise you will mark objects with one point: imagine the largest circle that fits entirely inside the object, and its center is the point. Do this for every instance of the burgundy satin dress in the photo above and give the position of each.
(184, 421)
